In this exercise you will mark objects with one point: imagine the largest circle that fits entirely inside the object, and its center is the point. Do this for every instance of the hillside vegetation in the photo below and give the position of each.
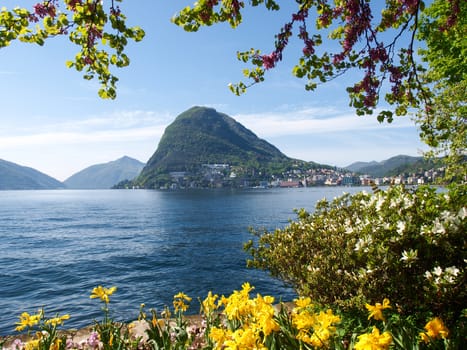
(202, 135)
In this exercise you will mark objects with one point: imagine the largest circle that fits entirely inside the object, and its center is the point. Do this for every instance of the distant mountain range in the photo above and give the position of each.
(99, 176)
(102, 176)
(392, 166)
(17, 177)
(198, 137)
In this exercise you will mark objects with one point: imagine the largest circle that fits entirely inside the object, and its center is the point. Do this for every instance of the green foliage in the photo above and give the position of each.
(443, 28)
(404, 244)
(443, 121)
(101, 35)
(208, 12)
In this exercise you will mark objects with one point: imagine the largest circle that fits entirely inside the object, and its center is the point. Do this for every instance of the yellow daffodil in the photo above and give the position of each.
(268, 324)
(179, 302)
(374, 341)
(57, 320)
(302, 302)
(26, 320)
(209, 304)
(315, 329)
(155, 322)
(182, 296)
(56, 344)
(376, 311)
(103, 293)
(434, 329)
(304, 336)
(220, 336)
(303, 320)
(32, 344)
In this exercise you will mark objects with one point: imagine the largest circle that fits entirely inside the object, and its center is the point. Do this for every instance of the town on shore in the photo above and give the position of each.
(226, 176)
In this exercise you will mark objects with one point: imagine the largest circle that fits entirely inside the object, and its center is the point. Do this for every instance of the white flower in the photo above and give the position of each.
(453, 271)
(379, 203)
(410, 256)
(428, 275)
(438, 228)
(450, 218)
(360, 243)
(400, 227)
(437, 271)
(363, 243)
(408, 202)
(462, 213)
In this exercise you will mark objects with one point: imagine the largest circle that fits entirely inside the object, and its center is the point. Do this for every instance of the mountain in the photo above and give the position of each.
(392, 166)
(355, 167)
(102, 176)
(202, 135)
(17, 177)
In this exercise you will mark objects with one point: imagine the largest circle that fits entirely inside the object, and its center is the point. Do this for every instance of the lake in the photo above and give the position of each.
(56, 246)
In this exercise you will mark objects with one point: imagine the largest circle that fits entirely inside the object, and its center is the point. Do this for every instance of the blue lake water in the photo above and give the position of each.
(55, 246)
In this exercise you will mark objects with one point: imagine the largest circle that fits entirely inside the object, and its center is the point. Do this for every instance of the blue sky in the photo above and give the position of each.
(53, 120)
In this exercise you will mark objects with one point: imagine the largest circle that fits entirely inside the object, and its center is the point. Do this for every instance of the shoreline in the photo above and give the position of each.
(80, 336)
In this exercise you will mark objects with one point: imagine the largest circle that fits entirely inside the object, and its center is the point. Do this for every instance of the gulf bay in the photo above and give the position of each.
(55, 246)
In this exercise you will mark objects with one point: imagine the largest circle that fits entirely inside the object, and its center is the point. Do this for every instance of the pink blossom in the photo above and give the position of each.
(93, 340)
(269, 61)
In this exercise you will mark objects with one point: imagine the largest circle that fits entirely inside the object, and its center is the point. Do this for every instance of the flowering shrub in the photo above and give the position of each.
(241, 322)
(405, 244)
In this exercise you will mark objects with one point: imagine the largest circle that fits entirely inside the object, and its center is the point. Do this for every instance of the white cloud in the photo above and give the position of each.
(61, 138)
(117, 127)
(314, 120)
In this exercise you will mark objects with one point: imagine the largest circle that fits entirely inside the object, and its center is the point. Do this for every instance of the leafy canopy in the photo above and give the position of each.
(101, 34)
(443, 122)
(377, 38)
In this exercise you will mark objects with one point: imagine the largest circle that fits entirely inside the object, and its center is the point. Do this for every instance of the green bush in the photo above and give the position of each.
(405, 244)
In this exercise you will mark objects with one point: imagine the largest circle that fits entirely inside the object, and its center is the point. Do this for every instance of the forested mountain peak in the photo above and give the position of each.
(202, 135)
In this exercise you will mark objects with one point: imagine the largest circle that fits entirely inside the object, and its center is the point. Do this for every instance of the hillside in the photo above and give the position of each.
(355, 167)
(17, 177)
(204, 136)
(392, 166)
(103, 176)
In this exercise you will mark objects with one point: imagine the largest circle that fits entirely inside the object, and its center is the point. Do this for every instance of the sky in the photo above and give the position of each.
(52, 120)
